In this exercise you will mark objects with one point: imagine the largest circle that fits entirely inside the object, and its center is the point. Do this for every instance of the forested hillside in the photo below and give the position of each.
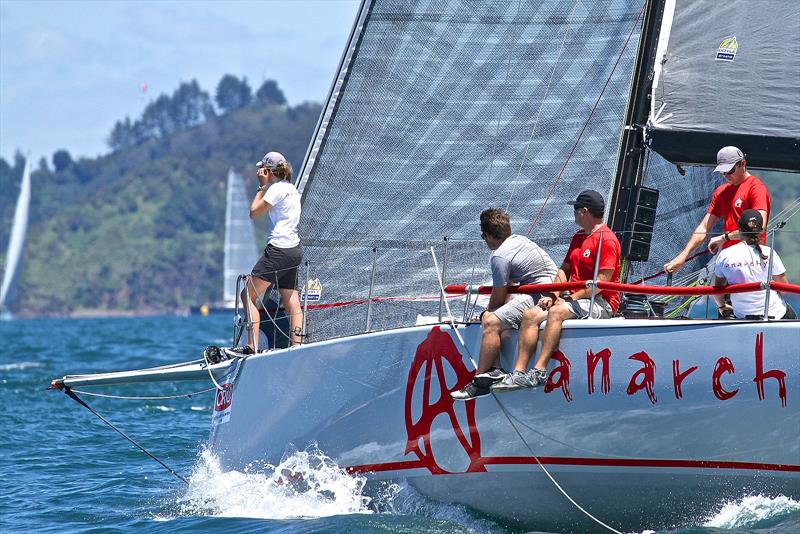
(141, 228)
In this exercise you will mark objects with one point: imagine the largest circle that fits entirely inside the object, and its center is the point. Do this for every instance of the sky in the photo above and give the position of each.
(70, 69)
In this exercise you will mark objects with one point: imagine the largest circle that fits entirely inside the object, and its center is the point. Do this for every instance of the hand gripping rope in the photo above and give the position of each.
(503, 408)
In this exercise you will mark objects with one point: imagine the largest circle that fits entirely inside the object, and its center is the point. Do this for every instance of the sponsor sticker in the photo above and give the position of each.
(727, 49)
(223, 401)
(314, 291)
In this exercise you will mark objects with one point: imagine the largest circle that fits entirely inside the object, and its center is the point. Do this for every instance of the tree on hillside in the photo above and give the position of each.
(62, 160)
(191, 105)
(233, 93)
(122, 135)
(270, 93)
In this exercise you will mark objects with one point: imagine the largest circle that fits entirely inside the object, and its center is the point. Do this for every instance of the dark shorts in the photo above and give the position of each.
(278, 266)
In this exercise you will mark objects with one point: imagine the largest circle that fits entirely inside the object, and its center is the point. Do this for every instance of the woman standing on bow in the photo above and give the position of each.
(277, 197)
(748, 261)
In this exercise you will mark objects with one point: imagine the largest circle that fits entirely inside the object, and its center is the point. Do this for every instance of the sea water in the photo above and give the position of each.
(63, 470)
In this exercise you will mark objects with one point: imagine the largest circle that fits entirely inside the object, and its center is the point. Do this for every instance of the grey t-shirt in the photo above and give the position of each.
(521, 261)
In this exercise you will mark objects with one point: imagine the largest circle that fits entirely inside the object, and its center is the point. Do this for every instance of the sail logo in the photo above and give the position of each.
(587, 253)
(727, 49)
(738, 203)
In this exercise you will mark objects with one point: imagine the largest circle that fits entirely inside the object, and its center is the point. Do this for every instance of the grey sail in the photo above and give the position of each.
(241, 252)
(443, 109)
(727, 73)
(16, 244)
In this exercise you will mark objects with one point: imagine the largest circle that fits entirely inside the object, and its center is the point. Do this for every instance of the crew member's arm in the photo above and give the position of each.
(781, 278)
(259, 206)
(497, 298)
(561, 277)
(603, 275)
(697, 237)
(716, 242)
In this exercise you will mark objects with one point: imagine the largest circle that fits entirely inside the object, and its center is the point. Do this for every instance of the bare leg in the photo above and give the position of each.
(490, 342)
(528, 336)
(291, 302)
(257, 286)
(552, 333)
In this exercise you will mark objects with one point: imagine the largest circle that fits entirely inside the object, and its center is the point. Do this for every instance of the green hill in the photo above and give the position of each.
(141, 229)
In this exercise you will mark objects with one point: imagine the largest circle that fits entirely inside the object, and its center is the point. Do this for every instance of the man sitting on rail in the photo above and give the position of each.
(748, 261)
(517, 260)
(579, 265)
(741, 191)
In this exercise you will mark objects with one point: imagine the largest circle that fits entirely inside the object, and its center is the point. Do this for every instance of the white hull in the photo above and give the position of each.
(636, 457)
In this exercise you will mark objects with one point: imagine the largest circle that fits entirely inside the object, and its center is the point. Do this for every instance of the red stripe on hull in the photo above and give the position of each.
(597, 462)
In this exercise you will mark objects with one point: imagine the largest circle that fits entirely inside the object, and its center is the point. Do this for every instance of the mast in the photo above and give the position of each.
(631, 156)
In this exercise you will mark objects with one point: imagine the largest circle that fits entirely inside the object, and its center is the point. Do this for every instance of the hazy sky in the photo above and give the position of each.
(70, 69)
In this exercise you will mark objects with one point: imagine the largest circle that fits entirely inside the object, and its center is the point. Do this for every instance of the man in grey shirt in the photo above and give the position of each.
(515, 260)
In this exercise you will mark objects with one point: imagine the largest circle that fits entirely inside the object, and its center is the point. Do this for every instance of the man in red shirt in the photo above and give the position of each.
(578, 265)
(741, 191)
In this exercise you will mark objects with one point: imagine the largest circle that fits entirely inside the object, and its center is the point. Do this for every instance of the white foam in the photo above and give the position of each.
(20, 366)
(750, 510)
(400, 498)
(304, 484)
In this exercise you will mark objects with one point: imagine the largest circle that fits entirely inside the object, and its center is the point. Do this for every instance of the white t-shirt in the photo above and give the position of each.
(741, 263)
(284, 214)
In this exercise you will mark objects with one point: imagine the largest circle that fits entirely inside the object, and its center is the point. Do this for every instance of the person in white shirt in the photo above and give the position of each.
(748, 261)
(278, 198)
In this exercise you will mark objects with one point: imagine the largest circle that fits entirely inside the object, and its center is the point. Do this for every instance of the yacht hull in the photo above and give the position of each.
(646, 424)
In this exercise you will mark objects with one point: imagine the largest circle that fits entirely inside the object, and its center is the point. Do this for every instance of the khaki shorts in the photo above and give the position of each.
(601, 310)
(510, 313)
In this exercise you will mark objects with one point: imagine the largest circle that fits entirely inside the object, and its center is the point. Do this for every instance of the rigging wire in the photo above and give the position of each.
(588, 119)
(80, 401)
(505, 412)
(539, 111)
(125, 397)
(502, 105)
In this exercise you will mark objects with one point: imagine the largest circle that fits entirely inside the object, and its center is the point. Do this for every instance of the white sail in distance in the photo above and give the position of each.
(16, 243)
(241, 252)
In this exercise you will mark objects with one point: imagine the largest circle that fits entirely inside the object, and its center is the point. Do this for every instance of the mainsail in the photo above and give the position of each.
(727, 73)
(240, 243)
(16, 244)
(443, 109)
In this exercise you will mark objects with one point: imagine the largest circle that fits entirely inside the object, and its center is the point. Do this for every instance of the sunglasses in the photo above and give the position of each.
(732, 169)
(483, 235)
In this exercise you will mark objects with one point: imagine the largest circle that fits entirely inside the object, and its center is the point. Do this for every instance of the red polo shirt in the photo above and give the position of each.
(729, 202)
(581, 257)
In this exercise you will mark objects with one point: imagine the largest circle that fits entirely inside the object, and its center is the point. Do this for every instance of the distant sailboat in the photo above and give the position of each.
(16, 243)
(240, 239)
(240, 248)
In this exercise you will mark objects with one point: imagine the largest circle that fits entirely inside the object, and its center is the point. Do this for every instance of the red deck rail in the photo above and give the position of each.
(456, 289)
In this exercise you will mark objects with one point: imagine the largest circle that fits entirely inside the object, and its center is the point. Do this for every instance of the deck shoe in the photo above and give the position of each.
(512, 381)
(492, 376)
(470, 391)
(537, 377)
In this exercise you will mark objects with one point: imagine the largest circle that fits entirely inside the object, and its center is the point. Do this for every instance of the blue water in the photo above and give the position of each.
(63, 470)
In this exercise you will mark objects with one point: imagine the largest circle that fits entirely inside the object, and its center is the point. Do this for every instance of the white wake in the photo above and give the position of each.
(749, 511)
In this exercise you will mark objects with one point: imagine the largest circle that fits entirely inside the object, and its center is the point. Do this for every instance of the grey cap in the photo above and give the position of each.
(728, 157)
(271, 160)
